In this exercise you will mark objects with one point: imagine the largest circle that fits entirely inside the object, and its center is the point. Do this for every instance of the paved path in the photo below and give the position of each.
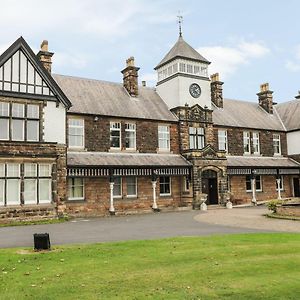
(250, 217)
(136, 227)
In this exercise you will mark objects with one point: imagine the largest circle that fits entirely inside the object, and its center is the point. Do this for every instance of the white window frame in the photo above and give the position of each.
(130, 128)
(132, 195)
(186, 184)
(170, 183)
(82, 127)
(115, 126)
(277, 138)
(255, 142)
(246, 141)
(73, 185)
(222, 140)
(163, 137)
(261, 183)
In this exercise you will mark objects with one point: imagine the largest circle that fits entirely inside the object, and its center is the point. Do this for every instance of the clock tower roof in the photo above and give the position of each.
(182, 49)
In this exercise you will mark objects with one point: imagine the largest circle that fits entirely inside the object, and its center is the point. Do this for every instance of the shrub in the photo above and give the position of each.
(272, 205)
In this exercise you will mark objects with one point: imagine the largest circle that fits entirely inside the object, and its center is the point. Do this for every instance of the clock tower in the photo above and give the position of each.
(183, 77)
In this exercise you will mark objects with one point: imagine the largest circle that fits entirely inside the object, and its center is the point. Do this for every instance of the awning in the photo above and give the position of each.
(241, 165)
(94, 164)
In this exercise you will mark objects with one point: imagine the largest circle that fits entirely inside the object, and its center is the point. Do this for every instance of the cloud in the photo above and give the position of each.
(294, 65)
(226, 60)
(150, 78)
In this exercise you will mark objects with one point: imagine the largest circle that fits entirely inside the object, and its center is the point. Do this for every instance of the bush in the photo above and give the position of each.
(272, 205)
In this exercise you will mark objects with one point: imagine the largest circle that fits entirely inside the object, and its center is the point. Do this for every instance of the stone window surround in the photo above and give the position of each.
(198, 136)
(25, 118)
(21, 176)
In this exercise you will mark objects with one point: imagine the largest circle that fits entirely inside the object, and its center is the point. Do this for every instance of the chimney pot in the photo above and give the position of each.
(130, 62)
(45, 56)
(44, 46)
(143, 83)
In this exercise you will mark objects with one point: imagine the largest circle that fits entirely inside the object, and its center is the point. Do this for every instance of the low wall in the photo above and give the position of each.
(289, 210)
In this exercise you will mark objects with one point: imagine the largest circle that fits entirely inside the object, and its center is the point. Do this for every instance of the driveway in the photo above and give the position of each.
(135, 227)
(250, 217)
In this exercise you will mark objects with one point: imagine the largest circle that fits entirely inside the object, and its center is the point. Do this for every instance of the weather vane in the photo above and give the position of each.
(180, 21)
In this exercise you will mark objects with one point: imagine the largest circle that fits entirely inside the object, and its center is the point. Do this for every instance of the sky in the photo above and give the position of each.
(247, 42)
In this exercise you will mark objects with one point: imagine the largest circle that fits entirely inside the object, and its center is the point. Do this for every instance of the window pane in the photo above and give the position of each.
(18, 110)
(13, 191)
(163, 137)
(2, 170)
(32, 130)
(4, 125)
(4, 109)
(30, 191)
(18, 130)
(32, 111)
(131, 186)
(30, 170)
(165, 185)
(2, 192)
(13, 170)
(45, 191)
(76, 133)
(117, 192)
(45, 170)
(76, 189)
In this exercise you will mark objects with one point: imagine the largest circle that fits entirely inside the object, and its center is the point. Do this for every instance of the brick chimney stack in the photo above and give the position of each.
(216, 90)
(45, 56)
(265, 98)
(130, 77)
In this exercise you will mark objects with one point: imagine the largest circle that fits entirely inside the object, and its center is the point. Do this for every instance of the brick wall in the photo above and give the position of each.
(97, 134)
(293, 211)
(97, 197)
(239, 193)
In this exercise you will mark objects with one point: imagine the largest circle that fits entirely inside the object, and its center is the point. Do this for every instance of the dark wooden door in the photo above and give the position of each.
(212, 191)
(296, 187)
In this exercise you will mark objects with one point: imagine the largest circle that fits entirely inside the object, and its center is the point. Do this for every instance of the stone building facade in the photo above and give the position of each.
(84, 147)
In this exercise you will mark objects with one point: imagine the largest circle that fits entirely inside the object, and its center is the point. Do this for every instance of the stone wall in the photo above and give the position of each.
(240, 195)
(97, 134)
(293, 211)
(97, 196)
(235, 140)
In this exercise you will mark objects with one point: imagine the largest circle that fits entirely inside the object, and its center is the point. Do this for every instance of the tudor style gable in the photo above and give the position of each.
(23, 75)
(32, 105)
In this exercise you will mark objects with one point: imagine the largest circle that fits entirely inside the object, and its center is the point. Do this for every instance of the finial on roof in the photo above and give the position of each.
(180, 20)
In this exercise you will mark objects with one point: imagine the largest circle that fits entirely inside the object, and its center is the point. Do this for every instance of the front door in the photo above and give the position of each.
(210, 186)
(296, 187)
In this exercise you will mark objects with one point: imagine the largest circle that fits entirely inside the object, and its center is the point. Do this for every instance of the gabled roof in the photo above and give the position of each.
(21, 44)
(182, 49)
(236, 113)
(90, 96)
(289, 113)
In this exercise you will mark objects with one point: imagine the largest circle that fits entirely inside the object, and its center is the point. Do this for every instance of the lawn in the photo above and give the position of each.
(249, 266)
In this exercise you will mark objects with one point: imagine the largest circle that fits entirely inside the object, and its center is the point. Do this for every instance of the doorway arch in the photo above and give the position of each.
(209, 179)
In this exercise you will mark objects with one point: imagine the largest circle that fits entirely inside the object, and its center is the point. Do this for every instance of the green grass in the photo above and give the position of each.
(35, 222)
(249, 266)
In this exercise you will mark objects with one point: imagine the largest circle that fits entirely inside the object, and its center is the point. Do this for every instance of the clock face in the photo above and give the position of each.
(195, 90)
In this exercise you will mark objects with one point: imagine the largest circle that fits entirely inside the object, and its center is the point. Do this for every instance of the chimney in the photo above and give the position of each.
(45, 56)
(298, 96)
(216, 90)
(144, 83)
(265, 98)
(130, 77)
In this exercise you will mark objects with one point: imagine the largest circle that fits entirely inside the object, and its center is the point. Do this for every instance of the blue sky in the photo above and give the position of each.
(248, 42)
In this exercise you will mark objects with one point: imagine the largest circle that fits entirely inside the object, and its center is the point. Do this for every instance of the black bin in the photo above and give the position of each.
(41, 241)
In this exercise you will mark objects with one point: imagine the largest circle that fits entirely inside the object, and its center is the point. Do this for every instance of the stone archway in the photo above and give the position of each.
(209, 180)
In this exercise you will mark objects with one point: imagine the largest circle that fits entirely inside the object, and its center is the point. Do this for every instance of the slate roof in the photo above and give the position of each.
(90, 96)
(237, 113)
(126, 159)
(289, 113)
(184, 50)
(265, 162)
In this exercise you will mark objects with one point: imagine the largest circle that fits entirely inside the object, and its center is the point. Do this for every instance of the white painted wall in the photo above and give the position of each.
(175, 92)
(54, 123)
(293, 142)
